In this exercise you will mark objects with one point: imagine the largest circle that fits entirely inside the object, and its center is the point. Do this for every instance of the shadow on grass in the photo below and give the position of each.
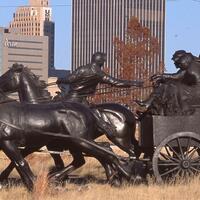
(85, 180)
(11, 182)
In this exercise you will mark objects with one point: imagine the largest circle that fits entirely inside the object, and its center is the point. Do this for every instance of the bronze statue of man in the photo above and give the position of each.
(181, 89)
(84, 80)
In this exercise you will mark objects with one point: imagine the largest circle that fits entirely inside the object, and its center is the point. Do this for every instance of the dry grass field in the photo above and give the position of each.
(92, 186)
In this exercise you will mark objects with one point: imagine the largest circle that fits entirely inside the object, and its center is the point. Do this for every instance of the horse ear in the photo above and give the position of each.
(17, 67)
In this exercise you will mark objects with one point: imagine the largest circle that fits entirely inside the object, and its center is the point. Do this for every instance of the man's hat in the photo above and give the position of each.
(178, 54)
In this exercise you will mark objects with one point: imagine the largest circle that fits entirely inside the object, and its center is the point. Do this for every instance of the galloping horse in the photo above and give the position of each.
(31, 90)
(34, 125)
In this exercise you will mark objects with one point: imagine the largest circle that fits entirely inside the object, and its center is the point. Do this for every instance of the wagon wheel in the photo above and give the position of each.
(177, 156)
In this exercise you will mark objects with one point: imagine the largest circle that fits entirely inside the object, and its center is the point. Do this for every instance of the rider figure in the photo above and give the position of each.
(182, 86)
(147, 103)
(84, 80)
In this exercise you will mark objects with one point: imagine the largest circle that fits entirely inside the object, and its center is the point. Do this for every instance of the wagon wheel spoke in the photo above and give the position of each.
(173, 150)
(195, 164)
(168, 164)
(168, 157)
(167, 150)
(191, 172)
(188, 146)
(180, 147)
(195, 169)
(178, 172)
(192, 152)
(170, 171)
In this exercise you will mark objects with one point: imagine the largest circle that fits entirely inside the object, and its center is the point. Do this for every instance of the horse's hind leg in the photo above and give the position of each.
(126, 141)
(22, 166)
(59, 164)
(78, 161)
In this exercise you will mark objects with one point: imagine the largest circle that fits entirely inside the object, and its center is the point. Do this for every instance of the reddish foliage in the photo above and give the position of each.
(135, 56)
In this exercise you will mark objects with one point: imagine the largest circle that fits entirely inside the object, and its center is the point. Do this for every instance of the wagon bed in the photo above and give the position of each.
(155, 128)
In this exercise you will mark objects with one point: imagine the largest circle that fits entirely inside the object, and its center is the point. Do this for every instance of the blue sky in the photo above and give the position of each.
(182, 27)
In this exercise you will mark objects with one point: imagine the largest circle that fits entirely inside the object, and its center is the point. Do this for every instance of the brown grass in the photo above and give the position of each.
(93, 189)
(41, 185)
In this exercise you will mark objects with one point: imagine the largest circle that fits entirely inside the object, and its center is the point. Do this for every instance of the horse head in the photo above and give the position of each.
(20, 79)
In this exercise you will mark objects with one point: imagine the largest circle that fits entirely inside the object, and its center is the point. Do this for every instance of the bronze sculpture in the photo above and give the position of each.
(34, 125)
(64, 124)
(175, 94)
(83, 82)
(40, 97)
(88, 79)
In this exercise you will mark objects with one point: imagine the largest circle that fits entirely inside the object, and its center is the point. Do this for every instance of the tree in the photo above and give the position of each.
(135, 56)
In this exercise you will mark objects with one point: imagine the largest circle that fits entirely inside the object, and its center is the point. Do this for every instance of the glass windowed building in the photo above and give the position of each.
(95, 23)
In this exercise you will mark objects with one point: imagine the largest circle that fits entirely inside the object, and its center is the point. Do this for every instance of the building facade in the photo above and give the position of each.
(95, 23)
(31, 51)
(35, 20)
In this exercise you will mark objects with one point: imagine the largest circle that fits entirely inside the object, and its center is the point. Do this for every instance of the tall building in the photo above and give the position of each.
(95, 23)
(35, 20)
(31, 51)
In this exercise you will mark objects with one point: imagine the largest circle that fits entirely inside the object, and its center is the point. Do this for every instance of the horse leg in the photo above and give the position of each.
(126, 141)
(24, 152)
(111, 174)
(100, 153)
(59, 164)
(10, 149)
(78, 161)
(6, 172)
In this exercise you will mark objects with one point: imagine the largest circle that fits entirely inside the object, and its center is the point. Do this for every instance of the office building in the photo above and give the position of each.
(35, 20)
(31, 51)
(95, 23)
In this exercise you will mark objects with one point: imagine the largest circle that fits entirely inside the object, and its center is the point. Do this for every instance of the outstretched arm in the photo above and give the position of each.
(174, 76)
(121, 83)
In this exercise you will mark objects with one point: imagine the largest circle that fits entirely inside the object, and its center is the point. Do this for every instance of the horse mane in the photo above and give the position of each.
(40, 84)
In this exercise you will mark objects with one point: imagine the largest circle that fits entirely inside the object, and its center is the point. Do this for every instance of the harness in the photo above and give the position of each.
(10, 131)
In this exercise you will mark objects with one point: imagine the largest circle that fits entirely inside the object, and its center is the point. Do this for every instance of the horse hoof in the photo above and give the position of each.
(3, 178)
(115, 182)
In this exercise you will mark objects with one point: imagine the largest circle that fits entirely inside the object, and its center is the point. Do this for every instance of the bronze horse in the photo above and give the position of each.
(31, 90)
(34, 125)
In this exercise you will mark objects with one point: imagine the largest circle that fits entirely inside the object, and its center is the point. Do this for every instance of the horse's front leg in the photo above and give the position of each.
(24, 152)
(11, 150)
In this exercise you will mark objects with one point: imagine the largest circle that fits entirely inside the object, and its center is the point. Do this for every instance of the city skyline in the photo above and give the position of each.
(182, 28)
